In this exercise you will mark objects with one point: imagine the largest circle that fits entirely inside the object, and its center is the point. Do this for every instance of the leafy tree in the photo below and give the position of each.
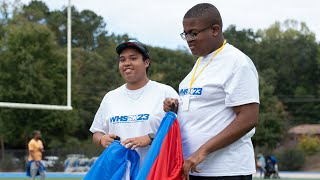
(309, 144)
(36, 11)
(290, 51)
(291, 159)
(246, 40)
(94, 77)
(273, 120)
(33, 70)
(87, 28)
(166, 63)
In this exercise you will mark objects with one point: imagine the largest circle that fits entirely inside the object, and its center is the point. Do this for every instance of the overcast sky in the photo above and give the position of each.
(159, 23)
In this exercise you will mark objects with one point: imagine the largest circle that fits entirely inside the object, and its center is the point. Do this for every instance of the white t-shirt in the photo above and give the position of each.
(231, 79)
(131, 113)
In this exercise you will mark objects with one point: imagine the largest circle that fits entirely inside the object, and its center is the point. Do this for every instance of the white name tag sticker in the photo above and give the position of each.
(185, 102)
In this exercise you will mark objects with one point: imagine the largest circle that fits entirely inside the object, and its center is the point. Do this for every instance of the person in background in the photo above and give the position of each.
(272, 167)
(35, 164)
(261, 164)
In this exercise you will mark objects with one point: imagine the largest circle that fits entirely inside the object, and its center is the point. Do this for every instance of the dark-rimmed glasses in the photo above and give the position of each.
(192, 35)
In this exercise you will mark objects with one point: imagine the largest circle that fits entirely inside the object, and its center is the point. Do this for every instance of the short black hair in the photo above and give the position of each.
(205, 10)
(35, 132)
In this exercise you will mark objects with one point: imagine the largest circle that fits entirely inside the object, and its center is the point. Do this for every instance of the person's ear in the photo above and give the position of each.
(147, 62)
(215, 30)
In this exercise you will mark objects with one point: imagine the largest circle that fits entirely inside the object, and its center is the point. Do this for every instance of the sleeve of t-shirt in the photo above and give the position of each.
(31, 146)
(242, 87)
(41, 145)
(100, 123)
(171, 93)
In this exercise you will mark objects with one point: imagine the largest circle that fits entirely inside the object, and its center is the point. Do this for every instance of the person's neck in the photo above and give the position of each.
(36, 138)
(137, 85)
(217, 45)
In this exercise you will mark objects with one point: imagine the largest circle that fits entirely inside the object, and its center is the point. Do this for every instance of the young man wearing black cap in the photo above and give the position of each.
(133, 111)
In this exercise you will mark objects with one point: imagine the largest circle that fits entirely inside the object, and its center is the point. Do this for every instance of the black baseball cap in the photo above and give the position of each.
(142, 48)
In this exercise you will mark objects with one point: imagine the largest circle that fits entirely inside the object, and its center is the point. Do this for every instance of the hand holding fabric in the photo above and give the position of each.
(168, 104)
(107, 139)
(133, 143)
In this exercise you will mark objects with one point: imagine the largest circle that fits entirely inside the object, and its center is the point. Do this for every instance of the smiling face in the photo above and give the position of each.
(132, 67)
(207, 40)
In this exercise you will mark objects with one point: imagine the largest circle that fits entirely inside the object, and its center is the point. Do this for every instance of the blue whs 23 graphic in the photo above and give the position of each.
(194, 91)
(129, 118)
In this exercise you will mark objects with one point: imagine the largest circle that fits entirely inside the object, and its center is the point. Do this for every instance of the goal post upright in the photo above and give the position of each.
(69, 57)
(48, 106)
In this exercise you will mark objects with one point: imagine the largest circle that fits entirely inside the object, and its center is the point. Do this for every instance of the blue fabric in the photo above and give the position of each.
(273, 159)
(40, 169)
(154, 150)
(112, 163)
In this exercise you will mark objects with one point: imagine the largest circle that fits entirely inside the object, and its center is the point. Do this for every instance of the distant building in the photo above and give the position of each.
(304, 129)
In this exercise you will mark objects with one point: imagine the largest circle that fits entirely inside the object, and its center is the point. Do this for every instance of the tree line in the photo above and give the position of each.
(33, 42)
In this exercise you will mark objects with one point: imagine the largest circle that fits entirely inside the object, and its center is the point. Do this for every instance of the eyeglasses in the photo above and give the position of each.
(193, 35)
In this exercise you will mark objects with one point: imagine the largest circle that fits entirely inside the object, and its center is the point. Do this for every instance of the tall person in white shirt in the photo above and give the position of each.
(134, 110)
(219, 105)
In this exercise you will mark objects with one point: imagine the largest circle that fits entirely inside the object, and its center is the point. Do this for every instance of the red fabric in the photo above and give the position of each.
(168, 165)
